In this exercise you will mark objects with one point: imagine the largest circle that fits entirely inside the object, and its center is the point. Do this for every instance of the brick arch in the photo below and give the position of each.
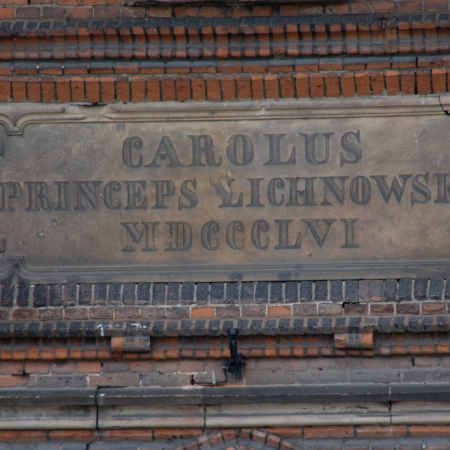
(237, 439)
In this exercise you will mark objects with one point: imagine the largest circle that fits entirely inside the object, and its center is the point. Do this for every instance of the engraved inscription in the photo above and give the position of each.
(227, 199)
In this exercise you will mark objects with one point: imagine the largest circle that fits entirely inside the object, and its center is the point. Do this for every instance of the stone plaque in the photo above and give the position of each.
(244, 191)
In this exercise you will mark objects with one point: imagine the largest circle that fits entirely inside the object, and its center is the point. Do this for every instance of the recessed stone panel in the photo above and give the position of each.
(244, 191)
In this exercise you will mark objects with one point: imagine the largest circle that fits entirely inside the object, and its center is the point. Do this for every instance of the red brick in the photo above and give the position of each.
(337, 9)
(332, 85)
(63, 89)
(14, 381)
(429, 431)
(92, 89)
(19, 91)
(243, 87)
(435, 5)
(271, 87)
(317, 85)
(377, 83)
(210, 11)
(141, 366)
(198, 88)
(423, 82)
(290, 10)
(206, 312)
(80, 2)
(160, 11)
(23, 436)
(385, 8)
(408, 82)
(11, 368)
(33, 89)
(280, 311)
(366, 432)
(79, 13)
(257, 84)
(127, 435)
(36, 367)
(64, 367)
(438, 80)
(262, 11)
(123, 89)
(292, 432)
(89, 367)
(13, 2)
(213, 89)
(433, 308)
(355, 309)
(48, 90)
(107, 89)
(72, 435)
(179, 433)
(312, 10)
(168, 89)
(287, 86)
(28, 12)
(409, 6)
(382, 310)
(228, 88)
(362, 84)
(24, 314)
(328, 432)
(153, 89)
(392, 82)
(301, 85)
(6, 13)
(183, 88)
(238, 11)
(186, 11)
(361, 8)
(77, 89)
(106, 13)
(138, 89)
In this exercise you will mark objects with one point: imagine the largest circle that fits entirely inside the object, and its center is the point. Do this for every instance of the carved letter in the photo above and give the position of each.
(257, 227)
(62, 196)
(38, 191)
(189, 194)
(206, 147)
(310, 147)
(318, 234)
(442, 188)
(395, 186)
(360, 190)
(134, 193)
(132, 233)
(166, 149)
(164, 188)
(351, 147)
(329, 183)
(206, 235)
(421, 189)
(247, 149)
(180, 236)
(90, 194)
(254, 193)
(127, 151)
(279, 184)
(275, 151)
(108, 195)
(9, 191)
(308, 193)
(232, 227)
(283, 236)
(349, 233)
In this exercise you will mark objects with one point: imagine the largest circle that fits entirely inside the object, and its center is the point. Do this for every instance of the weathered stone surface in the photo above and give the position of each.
(281, 190)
